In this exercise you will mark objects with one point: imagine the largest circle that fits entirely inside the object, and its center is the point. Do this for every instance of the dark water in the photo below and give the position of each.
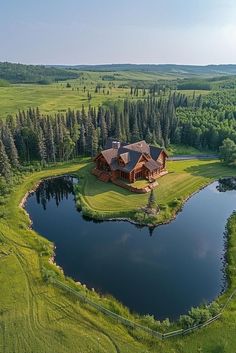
(179, 266)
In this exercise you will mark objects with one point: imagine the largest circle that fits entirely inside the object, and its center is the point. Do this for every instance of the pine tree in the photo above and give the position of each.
(94, 149)
(151, 200)
(148, 137)
(10, 147)
(42, 146)
(50, 143)
(135, 136)
(104, 133)
(82, 140)
(5, 167)
(118, 132)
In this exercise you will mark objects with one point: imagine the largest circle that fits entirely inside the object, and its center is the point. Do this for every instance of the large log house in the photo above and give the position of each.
(130, 161)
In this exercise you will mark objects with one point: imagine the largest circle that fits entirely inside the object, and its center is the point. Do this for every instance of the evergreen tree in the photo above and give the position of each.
(94, 149)
(5, 167)
(151, 200)
(42, 146)
(50, 143)
(104, 133)
(82, 140)
(10, 147)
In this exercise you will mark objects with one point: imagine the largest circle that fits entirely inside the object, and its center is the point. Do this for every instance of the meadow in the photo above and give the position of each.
(57, 97)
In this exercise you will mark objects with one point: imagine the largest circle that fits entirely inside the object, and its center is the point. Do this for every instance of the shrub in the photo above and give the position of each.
(186, 321)
(200, 315)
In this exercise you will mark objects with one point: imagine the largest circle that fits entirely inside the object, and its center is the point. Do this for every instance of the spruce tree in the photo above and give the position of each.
(94, 148)
(42, 146)
(10, 147)
(5, 167)
(50, 143)
(82, 140)
(151, 200)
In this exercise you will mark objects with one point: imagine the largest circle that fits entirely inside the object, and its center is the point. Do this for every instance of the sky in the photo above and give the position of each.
(71, 32)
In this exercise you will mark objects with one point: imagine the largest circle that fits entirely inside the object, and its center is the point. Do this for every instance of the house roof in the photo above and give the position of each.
(130, 154)
(134, 158)
(152, 165)
(125, 157)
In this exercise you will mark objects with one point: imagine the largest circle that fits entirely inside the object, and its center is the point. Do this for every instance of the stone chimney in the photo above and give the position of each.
(116, 145)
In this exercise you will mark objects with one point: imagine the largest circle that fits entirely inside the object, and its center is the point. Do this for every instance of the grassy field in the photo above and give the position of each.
(51, 98)
(57, 97)
(37, 317)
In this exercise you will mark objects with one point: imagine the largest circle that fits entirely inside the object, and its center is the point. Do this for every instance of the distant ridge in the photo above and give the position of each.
(221, 69)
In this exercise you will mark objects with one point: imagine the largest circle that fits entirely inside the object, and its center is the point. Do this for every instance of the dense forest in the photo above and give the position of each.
(19, 73)
(202, 122)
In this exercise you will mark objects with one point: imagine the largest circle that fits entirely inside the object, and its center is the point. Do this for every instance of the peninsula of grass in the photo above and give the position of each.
(101, 200)
(36, 316)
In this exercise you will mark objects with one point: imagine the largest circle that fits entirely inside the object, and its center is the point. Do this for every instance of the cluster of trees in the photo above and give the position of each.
(19, 73)
(228, 151)
(199, 315)
(192, 85)
(206, 121)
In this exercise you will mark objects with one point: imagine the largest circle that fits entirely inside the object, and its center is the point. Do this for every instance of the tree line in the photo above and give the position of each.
(31, 135)
(19, 73)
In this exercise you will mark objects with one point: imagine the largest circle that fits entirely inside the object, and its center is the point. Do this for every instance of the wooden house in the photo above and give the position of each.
(130, 162)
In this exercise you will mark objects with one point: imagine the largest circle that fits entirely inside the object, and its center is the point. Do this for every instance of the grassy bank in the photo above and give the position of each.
(37, 317)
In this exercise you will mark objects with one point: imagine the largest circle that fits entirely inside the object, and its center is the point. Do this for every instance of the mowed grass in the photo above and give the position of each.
(37, 317)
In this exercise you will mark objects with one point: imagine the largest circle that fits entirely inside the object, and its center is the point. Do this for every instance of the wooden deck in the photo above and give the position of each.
(106, 177)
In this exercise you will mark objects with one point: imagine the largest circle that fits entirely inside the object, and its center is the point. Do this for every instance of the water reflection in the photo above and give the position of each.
(54, 189)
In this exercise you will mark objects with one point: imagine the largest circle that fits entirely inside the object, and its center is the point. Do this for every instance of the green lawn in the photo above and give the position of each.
(184, 178)
(37, 317)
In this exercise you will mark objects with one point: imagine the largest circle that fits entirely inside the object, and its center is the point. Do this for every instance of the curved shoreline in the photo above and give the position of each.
(114, 219)
(150, 225)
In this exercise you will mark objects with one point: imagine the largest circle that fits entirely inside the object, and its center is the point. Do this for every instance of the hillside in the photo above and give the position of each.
(183, 70)
(19, 73)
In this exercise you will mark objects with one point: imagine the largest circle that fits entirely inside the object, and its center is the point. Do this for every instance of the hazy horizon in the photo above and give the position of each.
(121, 63)
(75, 32)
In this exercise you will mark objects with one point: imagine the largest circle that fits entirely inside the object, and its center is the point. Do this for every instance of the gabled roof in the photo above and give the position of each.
(125, 157)
(155, 152)
(134, 158)
(131, 154)
(110, 154)
(140, 146)
(152, 165)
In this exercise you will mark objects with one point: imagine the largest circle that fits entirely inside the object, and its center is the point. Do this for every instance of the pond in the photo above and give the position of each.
(163, 272)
